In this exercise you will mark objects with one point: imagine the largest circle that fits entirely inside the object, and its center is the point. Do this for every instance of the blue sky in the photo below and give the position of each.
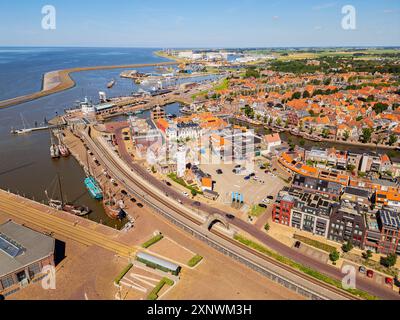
(201, 23)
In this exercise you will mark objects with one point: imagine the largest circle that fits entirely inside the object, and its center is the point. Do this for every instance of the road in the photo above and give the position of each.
(183, 217)
(23, 209)
(362, 283)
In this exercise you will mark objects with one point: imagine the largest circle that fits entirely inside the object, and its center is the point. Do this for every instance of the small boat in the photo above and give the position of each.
(55, 204)
(111, 84)
(54, 151)
(79, 211)
(63, 150)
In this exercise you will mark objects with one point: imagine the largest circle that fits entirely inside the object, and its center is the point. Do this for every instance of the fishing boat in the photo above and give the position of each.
(93, 188)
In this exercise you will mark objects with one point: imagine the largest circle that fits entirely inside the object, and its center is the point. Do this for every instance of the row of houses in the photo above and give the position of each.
(337, 213)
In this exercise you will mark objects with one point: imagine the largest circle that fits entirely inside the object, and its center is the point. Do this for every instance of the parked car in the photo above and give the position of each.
(297, 244)
(124, 192)
(270, 197)
(140, 205)
(185, 194)
(252, 174)
(168, 184)
(389, 281)
(133, 200)
(247, 178)
(370, 274)
(263, 205)
(219, 171)
(362, 270)
(230, 216)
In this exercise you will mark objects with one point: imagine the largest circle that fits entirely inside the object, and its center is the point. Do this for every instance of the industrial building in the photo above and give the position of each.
(23, 254)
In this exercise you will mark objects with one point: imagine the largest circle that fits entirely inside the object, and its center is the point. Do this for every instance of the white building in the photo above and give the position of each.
(181, 161)
(272, 141)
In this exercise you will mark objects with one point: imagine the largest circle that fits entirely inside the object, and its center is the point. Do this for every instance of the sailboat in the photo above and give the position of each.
(54, 151)
(61, 146)
(114, 209)
(80, 211)
(21, 131)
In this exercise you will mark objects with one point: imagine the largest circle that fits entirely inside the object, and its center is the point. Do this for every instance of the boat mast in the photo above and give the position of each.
(87, 161)
(59, 185)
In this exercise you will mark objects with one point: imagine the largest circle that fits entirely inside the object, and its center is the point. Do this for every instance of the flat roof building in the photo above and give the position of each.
(158, 263)
(23, 254)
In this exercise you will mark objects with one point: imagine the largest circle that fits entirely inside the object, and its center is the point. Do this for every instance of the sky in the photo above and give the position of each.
(201, 23)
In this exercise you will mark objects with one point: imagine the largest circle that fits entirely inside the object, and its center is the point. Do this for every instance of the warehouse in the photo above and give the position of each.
(23, 254)
(157, 263)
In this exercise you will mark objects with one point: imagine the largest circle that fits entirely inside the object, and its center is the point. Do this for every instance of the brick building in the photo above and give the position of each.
(23, 254)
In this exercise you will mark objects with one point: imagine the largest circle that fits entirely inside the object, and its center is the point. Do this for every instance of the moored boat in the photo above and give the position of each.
(93, 188)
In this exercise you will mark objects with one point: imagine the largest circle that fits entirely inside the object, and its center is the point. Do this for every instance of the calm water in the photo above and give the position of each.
(25, 164)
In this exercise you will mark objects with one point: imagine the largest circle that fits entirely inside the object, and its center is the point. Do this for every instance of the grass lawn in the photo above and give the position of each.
(316, 244)
(195, 261)
(123, 273)
(154, 293)
(222, 86)
(152, 241)
(257, 211)
(180, 181)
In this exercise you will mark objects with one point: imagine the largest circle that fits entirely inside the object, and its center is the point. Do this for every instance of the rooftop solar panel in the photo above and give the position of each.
(10, 248)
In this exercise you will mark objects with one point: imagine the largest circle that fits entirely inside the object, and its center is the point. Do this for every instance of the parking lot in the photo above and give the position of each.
(254, 188)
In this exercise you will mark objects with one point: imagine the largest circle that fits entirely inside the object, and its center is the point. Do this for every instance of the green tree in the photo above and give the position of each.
(306, 94)
(347, 247)
(278, 122)
(389, 261)
(392, 139)
(346, 135)
(334, 256)
(351, 168)
(267, 227)
(194, 193)
(296, 95)
(367, 255)
(326, 133)
(366, 135)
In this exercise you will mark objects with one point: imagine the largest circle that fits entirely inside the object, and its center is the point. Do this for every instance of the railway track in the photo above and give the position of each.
(167, 204)
(64, 228)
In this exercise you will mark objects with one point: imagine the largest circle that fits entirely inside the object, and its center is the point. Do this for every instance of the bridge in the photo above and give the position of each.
(214, 219)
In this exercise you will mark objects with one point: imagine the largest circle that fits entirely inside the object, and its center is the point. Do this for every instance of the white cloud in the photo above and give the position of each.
(324, 6)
